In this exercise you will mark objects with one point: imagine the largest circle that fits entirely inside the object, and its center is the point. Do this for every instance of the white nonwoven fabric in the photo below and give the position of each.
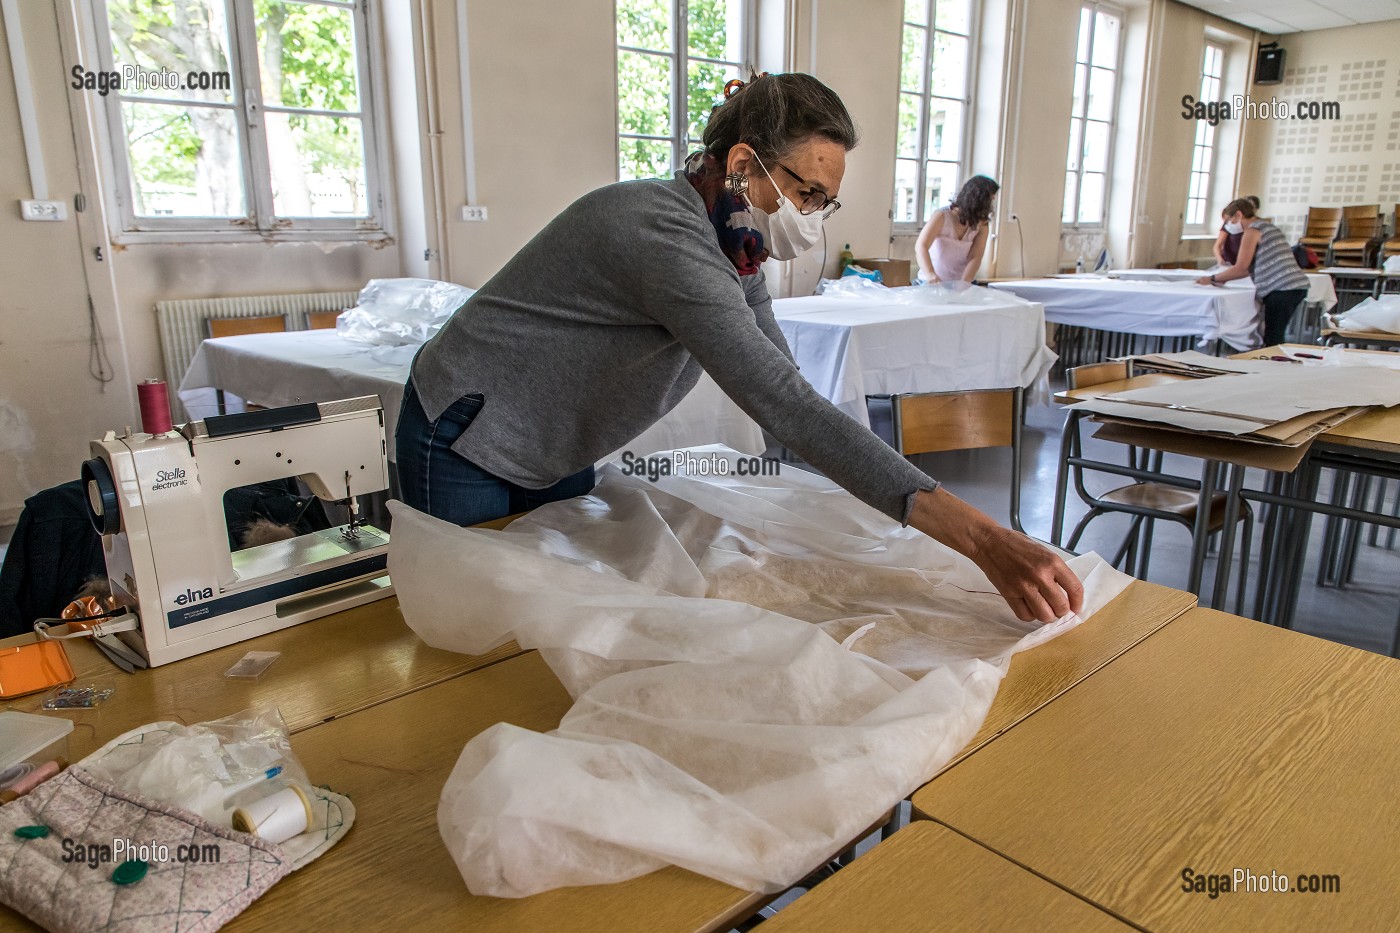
(761, 669)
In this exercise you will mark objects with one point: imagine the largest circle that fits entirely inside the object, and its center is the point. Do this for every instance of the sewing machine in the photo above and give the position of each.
(158, 502)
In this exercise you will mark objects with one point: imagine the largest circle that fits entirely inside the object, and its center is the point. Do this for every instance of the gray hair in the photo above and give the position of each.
(774, 113)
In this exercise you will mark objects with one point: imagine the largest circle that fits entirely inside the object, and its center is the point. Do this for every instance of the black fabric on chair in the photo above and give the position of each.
(53, 552)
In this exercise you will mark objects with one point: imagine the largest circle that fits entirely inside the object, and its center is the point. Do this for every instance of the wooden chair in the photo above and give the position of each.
(238, 326)
(1321, 229)
(929, 422)
(1391, 247)
(321, 320)
(1147, 500)
(1357, 247)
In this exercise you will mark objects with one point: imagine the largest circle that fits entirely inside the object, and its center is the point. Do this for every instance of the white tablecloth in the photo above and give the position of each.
(1165, 309)
(849, 348)
(1320, 287)
(320, 366)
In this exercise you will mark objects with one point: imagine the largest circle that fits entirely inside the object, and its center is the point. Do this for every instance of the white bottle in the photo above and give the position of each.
(1079, 266)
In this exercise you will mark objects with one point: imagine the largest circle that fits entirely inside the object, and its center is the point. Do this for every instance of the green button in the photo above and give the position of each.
(130, 872)
(32, 832)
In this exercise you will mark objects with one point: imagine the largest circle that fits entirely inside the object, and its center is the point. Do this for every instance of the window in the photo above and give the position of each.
(673, 59)
(1203, 155)
(935, 70)
(1091, 125)
(241, 116)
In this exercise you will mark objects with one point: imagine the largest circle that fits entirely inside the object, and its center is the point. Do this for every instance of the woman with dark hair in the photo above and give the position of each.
(604, 321)
(1279, 283)
(950, 246)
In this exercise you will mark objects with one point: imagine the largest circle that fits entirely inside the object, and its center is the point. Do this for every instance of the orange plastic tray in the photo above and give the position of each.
(31, 668)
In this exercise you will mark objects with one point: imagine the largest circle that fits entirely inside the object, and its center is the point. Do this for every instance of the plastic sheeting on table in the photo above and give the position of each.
(761, 669)
(401, 312)
(1373, 315)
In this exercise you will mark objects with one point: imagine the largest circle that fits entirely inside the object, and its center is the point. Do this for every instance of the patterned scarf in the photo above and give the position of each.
(730, 215)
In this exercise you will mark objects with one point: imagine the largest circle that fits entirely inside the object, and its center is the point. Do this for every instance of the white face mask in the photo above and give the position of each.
(1233, 228)
(787, 232)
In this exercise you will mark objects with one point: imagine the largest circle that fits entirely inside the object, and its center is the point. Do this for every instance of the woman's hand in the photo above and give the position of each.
(1035, 583)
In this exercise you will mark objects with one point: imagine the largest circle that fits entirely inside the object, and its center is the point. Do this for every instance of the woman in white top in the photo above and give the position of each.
(950, 246)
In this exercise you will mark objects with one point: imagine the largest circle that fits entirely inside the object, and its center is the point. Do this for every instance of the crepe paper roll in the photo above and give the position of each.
(155, 406)
(276, 817)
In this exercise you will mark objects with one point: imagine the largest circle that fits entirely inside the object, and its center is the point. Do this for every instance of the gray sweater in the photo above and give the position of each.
(602, 323)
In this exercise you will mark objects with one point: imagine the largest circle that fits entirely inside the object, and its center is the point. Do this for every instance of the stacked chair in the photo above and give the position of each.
(1322, 227)
(1359, 245)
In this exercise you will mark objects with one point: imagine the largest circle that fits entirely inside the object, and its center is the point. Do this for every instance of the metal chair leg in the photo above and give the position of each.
(1079, 529)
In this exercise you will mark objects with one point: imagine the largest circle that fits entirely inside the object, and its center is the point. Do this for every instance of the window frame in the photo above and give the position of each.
(926, 96)
(679, 54)
(259, 223)
(1211, 145)
(1094, 7)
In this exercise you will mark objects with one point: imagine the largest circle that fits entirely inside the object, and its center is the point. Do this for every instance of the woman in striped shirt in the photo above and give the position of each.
(1279, 282)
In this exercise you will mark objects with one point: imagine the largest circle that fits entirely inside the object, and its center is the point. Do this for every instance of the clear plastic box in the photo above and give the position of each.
(25, 737)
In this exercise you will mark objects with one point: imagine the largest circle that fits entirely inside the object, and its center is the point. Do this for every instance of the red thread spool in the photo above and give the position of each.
(155, 406)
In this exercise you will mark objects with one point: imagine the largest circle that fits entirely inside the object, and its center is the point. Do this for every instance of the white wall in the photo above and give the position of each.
(1356, 160)
(49, 406)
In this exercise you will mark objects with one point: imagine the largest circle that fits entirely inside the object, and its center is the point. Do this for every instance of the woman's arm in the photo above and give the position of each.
(1219, 248)
(974, 255)
(1240, 270)
(924, 243)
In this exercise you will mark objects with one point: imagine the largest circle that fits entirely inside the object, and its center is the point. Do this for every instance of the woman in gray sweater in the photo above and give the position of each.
(604, 321)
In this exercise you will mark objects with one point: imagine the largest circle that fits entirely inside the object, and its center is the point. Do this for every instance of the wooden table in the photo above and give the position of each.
(1038, 676)
(391, 755)
(927, 877)
(329, 667)
(1216, 743)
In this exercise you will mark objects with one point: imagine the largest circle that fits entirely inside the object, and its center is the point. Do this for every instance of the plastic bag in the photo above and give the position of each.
(1373, 315)
(762, 667)
(397, 312)
(209, 768)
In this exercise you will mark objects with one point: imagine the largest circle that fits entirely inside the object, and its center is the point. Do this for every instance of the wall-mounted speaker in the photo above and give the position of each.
(1268, 67)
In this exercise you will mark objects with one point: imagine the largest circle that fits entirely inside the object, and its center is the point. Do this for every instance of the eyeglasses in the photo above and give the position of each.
(815, 199)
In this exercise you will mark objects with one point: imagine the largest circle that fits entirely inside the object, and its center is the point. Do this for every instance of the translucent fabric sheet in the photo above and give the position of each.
(761, 666)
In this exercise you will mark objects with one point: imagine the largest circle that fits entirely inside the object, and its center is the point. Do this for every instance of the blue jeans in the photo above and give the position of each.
(434, 478)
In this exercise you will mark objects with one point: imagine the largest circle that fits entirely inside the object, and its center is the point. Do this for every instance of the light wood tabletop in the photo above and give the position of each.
(329, 667)
(927, 877)
(392, 871)
(1038, 676)
(1216, 743)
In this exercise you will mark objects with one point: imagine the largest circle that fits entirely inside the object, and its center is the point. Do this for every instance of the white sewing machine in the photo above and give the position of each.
(158, 502)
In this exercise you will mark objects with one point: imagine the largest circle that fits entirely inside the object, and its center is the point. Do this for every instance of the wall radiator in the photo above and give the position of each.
(182, 324)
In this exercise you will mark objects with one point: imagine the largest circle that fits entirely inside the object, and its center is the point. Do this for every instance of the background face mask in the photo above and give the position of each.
(787, 232)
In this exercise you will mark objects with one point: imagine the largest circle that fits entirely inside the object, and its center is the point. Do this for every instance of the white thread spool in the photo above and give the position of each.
(276, 817)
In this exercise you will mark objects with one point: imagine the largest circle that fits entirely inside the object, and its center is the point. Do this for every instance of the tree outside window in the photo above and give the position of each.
(261, 123)
(673, 59)
(1091, 125)
(934, 103)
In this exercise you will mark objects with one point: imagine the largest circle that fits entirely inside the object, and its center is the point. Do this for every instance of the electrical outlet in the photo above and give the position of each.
(43, 210)
(473, 213)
